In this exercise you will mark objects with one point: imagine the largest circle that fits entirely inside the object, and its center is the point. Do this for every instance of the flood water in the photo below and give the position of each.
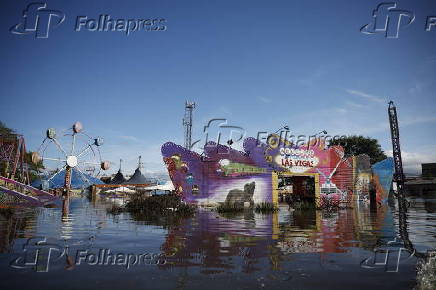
(304, 249)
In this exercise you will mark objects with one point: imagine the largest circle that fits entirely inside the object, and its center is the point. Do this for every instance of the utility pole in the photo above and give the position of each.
(187, 123)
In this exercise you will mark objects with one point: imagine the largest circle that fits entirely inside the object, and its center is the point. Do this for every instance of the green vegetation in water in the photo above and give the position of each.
(162, 210)
(266, 207)
(426, 271)
(159, 204)
(230, 208)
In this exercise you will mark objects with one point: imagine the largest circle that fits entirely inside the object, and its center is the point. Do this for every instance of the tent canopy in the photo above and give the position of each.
(121, 189)
(78, 180)
(118, 178)
(137, 178)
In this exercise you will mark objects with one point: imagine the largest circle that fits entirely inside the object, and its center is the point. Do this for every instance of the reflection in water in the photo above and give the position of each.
(15, 223)
(426, 265)
(301, 249)
(212, 242)
(66, 230)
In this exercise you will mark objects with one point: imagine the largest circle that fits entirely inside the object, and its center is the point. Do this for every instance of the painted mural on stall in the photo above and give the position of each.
(256, 174)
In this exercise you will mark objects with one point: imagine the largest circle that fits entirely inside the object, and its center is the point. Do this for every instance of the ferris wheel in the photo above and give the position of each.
(71, 150)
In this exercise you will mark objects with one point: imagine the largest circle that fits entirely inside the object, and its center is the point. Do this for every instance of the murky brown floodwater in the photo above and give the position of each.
(305, 249)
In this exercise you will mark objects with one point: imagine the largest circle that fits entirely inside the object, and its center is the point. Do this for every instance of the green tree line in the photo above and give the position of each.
(355, 145)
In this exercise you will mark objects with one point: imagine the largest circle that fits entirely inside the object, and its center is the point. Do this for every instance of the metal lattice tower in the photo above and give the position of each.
(187, 123)
(140, 164)
(395, 135)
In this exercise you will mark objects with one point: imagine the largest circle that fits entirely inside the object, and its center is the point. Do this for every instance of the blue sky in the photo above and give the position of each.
(260, 64)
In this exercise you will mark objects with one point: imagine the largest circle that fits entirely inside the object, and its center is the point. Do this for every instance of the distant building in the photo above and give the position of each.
(428, 169)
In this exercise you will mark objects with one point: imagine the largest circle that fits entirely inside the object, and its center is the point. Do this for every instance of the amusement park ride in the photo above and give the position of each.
(395, 135)
(60, 151)
(399, 180)
(86, 159)
(12, 155)
(56, 151)
(14, 178)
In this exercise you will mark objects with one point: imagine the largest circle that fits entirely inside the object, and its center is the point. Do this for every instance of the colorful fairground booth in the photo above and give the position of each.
(273, 172)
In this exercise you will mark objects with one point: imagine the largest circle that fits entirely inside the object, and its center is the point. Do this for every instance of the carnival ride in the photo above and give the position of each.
(14, 176)
(60, 155)
(423, 258)
(12, 157)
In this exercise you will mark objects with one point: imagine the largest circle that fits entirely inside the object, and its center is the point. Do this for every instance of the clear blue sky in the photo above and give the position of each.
(260, 64)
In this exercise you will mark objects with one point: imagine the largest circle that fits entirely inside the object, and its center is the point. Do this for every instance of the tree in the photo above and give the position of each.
(355, 145)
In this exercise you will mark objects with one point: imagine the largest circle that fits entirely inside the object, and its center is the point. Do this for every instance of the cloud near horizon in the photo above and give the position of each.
(370, 97)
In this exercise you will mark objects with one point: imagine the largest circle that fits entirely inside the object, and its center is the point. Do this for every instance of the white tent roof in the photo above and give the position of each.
(122, 189)
(168, 186)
